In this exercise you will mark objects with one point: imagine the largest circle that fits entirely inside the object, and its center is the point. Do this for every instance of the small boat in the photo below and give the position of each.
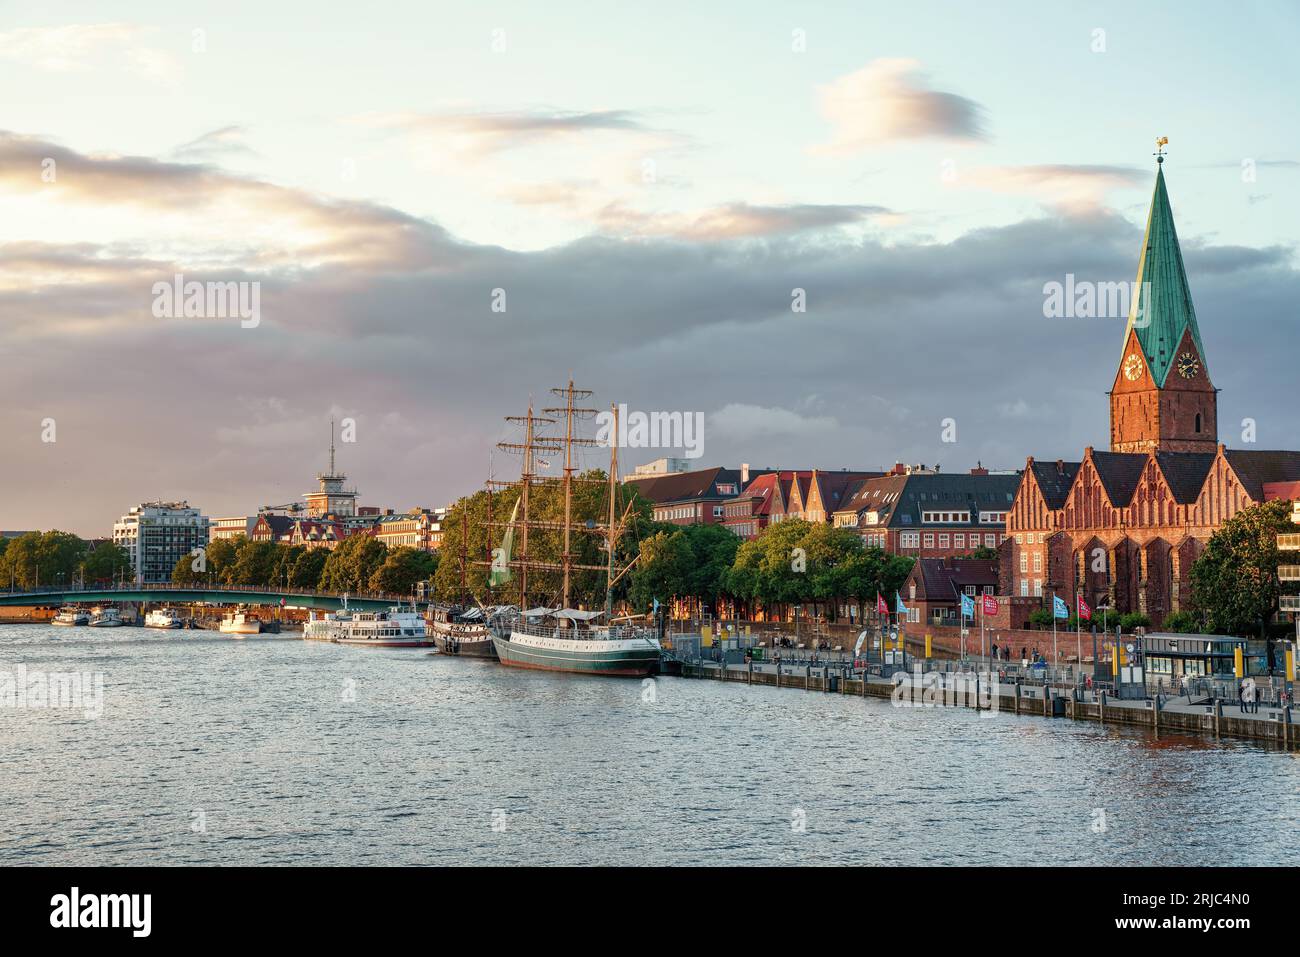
(70, 615)
(163, 618)
(106, 618)
(240, 622)
(396, 628)
(327, 626)
(466, 632)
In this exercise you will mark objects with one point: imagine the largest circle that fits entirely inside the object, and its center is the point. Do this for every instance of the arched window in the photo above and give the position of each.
(1198, 423)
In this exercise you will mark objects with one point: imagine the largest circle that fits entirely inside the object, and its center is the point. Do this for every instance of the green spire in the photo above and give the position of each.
(1167, 306)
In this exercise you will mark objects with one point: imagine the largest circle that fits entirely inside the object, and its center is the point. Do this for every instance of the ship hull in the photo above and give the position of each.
(618, 659)
(386, 642)
(466, 648)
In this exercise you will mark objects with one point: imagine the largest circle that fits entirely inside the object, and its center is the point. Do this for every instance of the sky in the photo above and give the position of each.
(447, 209)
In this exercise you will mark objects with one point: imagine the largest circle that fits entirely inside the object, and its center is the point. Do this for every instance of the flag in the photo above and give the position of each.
(1058, 608)
(990, 605)
(967, 606)
(655, 609)
(1084, 610)
(899, 607)
(880, 605)
(500, 573)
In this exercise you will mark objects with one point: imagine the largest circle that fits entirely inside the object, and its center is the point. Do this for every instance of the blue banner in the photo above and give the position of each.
(1059, 609)
(899, 607)
(967, 606)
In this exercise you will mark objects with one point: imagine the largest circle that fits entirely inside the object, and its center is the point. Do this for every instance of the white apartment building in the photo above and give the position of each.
(156, 534)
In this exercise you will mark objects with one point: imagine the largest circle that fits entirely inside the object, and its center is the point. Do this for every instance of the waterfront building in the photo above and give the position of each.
(665, 466)
(691, 498)
(269, 527)
(332, 497)
(812, 495)
(232, 527)
(927, 513)
(155, 535)
(933, 589)
(413, 529)
(1123, 527)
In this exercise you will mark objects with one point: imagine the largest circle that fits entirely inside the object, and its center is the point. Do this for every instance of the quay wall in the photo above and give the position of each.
(1207, 719)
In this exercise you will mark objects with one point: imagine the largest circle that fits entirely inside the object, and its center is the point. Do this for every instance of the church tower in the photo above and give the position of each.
(1162, 399)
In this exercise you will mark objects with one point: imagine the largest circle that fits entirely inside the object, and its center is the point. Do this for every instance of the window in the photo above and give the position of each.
(1024, 562)
(1038, 588)
(993, 518)
(909, 540)
(959, 541)
(914, 614)
(943, 541)
(990, 540)
(988, 589)
(1024, 588)
(911, 591)
(929, 540)
(1038, 561)
(969, 589)
(1198, 423)
(1020, 539)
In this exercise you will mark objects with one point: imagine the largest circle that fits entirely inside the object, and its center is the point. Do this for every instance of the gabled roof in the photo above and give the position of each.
(941, 579)
(899, 500)
(1185, 473)
(688, 486)
(1119, 473)
(279, 524)
(1054, 480)
(834, 488)
(1167, 301)
(1255, 468)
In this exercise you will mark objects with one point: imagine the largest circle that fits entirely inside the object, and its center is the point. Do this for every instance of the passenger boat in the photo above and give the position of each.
(70, 615)
(325, 627)
(163, 618)
(465, 632)
(240, 622)
(105, 618)
(396, 628)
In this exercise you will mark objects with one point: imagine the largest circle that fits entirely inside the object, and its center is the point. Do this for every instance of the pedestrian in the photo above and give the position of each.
(1241, 695)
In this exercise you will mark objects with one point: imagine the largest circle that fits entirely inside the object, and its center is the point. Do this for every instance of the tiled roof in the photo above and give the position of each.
(688, 486)
(1054, 480)
(1185, 473)
(1119, 473)
(900, 499)
(1254, 468)
(940, 579)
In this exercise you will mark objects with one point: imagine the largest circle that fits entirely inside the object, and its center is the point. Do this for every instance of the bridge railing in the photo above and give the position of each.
(250, 589)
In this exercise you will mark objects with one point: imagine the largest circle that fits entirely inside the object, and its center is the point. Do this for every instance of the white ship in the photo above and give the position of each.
(105, 618)
(240, 622)
(70, 615)
(325, 627)
(396, 628)
(163, 618)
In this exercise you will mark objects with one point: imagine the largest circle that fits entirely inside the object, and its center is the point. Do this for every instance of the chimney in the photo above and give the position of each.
(1060, 466)
(898, 469)
(979, 469)
(744, 473)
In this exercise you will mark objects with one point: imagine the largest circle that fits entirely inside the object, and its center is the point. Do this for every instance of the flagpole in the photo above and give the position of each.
(984, 652)
(1056, 655)
(1078, 622)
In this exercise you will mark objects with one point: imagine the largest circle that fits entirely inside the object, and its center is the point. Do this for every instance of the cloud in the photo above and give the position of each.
(1074, 189)
(216, 144)
(740, 422)
(484, 133)
(890, 100)
(733, 220)
(79, 48)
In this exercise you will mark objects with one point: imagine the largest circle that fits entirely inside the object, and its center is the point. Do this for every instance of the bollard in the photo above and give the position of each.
(751, 671)
(1218, 716)
(778, 673)
(1101, 707)
(1017, 697)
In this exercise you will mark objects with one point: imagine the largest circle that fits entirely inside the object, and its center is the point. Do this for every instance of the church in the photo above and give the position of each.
(1121, 528)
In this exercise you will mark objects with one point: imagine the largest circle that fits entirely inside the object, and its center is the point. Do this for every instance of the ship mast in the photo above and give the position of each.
(570, 413)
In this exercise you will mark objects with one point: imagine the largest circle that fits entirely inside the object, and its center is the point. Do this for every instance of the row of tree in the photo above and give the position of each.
(359, 563)
(58, 559)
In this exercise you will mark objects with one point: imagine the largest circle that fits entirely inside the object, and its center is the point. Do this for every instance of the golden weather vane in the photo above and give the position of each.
(1161, 143)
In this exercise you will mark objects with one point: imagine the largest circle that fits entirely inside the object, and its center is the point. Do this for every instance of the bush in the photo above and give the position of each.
(1134, 619)
(1182, 622)
(1041, 618)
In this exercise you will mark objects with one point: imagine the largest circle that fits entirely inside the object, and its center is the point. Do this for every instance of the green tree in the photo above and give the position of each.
(351, 565)
(1134, 619)
(1182, 622)
(183, 572)
(43, 558)
(663, 571)
(105, 563)
(306, 571)
(1234, 582)
(403, 567)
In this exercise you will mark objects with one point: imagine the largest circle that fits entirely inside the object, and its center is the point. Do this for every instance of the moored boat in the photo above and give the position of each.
(465, 632)
(240, 622)
(396, 628)
(163, 618)
(106, 618)
(568, 640)
(70, 615)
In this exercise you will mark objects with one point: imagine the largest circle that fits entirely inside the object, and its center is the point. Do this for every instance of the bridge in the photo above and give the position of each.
(213, 595)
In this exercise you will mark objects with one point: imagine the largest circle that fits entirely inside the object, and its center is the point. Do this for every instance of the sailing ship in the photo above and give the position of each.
(563, 638)
(70, 615)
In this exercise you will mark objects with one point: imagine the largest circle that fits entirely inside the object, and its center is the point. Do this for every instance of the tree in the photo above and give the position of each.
(1234, 582)
(42, 558)
(105, 562)
(1134, 619)
(306, 571)
(1182, 622)
(402, 568)
(255, 563)
(184, 573)
(352, 563)
(663, 571)
(219, 558)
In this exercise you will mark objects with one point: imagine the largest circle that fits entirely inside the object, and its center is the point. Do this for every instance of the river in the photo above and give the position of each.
(272, 750)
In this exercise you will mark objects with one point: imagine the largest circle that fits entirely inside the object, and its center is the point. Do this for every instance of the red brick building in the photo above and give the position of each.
(1123, 527)
(933, 589)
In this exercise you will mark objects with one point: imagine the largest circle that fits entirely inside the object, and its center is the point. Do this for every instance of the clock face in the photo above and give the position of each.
(1188, 365)
(1133, 367)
